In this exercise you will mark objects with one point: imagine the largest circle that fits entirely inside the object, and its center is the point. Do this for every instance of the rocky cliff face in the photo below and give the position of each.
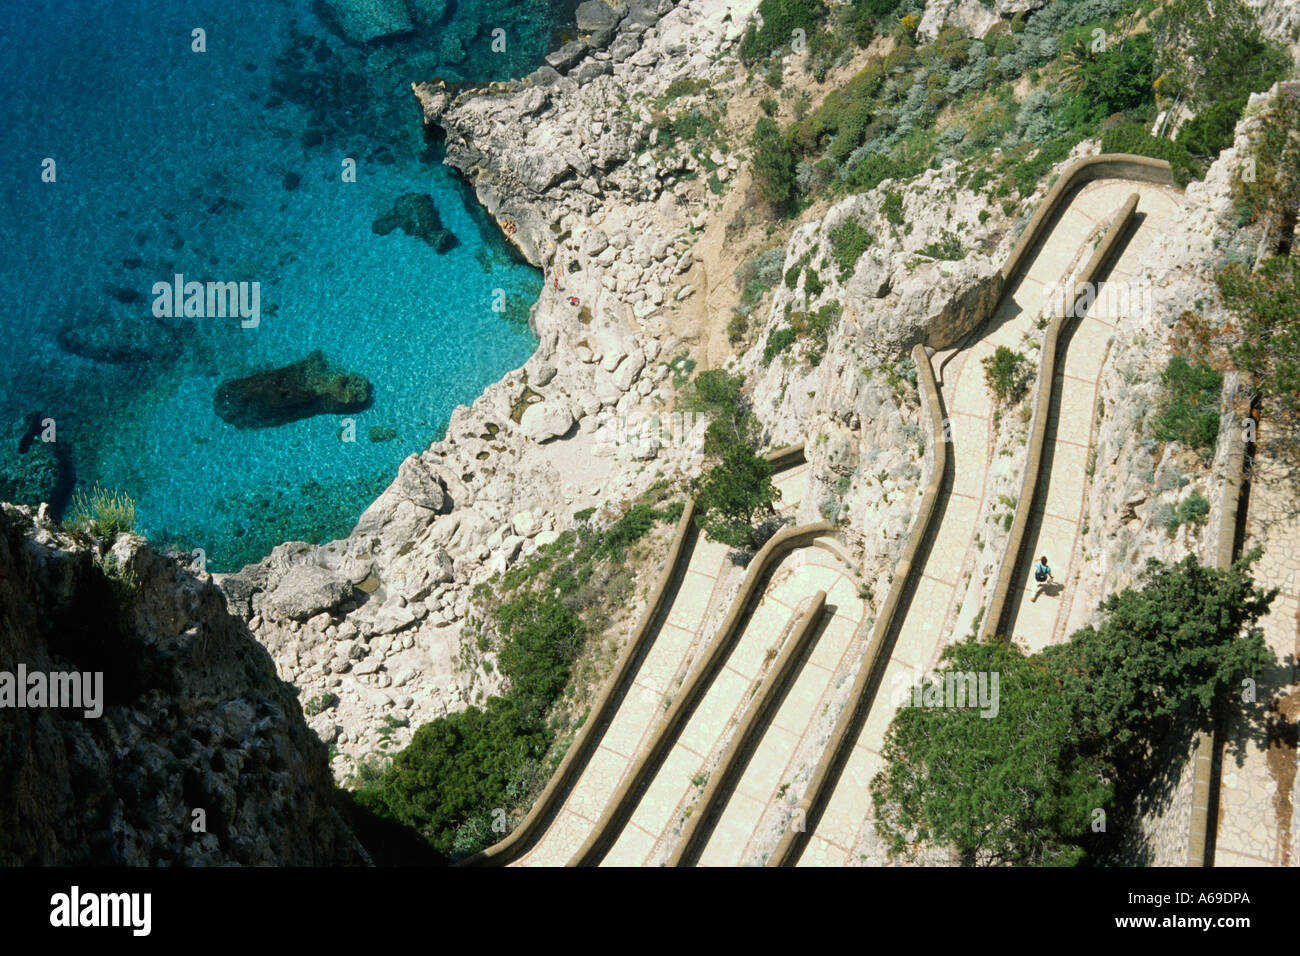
(193, 719)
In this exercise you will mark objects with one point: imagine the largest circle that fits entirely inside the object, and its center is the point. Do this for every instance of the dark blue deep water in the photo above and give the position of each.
(226, 166)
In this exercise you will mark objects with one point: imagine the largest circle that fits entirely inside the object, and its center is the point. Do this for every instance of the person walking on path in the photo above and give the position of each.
(1042, 574)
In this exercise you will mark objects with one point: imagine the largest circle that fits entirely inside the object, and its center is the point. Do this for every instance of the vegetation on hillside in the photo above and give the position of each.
(1258, 331)
(1189, 407)
(1092, 64)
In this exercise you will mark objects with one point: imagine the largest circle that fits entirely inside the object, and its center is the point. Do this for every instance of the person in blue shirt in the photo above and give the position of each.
(1042, 574)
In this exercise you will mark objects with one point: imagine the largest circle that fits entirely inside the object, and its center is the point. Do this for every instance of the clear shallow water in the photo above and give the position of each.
(173, 161)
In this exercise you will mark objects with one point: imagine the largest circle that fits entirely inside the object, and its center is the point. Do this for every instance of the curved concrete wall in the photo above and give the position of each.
(625, 798)
(1012, 557)
(1200, 838)
(977, 305)
(1141, 169)
(735, 758)
(521, 839)
(824, 775)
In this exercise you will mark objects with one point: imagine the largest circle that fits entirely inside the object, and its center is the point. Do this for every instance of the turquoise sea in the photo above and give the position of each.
(227, 165)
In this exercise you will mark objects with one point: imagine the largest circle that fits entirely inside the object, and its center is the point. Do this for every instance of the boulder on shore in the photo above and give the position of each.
(305, 591)
(416, 215)
(311, 386)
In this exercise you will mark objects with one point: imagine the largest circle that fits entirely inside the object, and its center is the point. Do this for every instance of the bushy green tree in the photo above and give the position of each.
(1265, 343)
(1115, 80)
(1075, 724)
(773, 163)
(1184, 634)
(1007, 789)
(733, 494)
(454, 768)
(720, 395)
(1212, 51)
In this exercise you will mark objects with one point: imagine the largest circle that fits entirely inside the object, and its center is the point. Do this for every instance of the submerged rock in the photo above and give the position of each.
(361, 21)
(30, 469)
(133, 341)
(416, 215)
(311, 386)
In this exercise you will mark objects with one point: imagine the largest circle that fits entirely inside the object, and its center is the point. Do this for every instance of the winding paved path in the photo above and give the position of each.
(651, 834)
(1055, 522)
(946, 600)
(943, 607)
(704, 590)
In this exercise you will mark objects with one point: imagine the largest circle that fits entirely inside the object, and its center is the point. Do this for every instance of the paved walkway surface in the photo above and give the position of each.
(1037, 618)
(1258, 792)
(652, 832)
(946, 601)
(680, 639)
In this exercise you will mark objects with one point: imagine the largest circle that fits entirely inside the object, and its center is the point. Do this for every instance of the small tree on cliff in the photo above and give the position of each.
(733, 494)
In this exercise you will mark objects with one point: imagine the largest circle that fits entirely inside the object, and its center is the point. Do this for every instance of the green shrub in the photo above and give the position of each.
(1212, 51)
(773, 163)
(1189, 409)
(634, 525)
(732, 494)
(682, 86)
(816, 326)
(1007, 374)
(681, 366)
(1119, 79)
(848, 241)
(948, 247)
(542, 638)
(320, 703)
(1135, 138)
(813, 284)
(875, 168)
(737, 326)
(103, 514)
(456, 769)
(1027, 173)
(1266, 343)
(777, 342)
(1208, 133)
(893, 207)
(1193, 509)
(780, 19)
